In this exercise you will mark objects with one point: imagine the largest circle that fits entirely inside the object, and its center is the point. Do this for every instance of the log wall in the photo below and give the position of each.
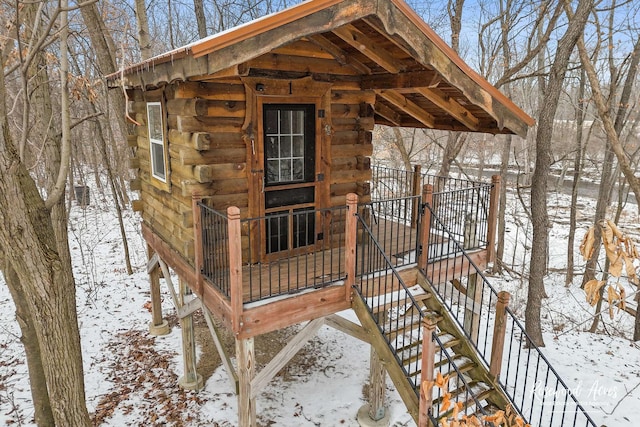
(209, 157)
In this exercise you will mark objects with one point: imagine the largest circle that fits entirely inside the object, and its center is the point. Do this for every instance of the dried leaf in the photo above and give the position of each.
(623, 297)
(615, 264)
(457, 407)
(592, 290)
(446, 402)
(612, 296)
(497, 418)
(586, 247)
(616, 231)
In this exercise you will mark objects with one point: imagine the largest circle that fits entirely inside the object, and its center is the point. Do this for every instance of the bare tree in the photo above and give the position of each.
(544, 159)
(34, 232)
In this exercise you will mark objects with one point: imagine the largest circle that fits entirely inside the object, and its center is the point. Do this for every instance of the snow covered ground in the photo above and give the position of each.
(131, 377)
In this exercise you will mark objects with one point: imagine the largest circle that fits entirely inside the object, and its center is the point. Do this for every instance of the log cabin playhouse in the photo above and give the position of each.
(252, 152)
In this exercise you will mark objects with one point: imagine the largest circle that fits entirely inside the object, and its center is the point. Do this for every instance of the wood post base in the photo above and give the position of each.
(161, 329)
(188, 384)
(365, 420)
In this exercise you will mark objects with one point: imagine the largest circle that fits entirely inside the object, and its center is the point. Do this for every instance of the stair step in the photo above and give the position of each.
(479, 389)
(464, 365)
(385, 307)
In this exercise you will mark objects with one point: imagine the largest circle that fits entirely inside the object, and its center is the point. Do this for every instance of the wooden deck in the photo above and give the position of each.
(296, 273)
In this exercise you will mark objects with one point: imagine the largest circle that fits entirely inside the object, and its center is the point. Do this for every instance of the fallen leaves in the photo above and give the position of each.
(141, 374)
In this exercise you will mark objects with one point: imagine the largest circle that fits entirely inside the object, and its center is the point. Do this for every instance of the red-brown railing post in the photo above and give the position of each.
(235, 267)
(499, 330)
(492, 220)
(351, 238)
(428, 365)
(415, 191)
(427, 197)
(197, 242)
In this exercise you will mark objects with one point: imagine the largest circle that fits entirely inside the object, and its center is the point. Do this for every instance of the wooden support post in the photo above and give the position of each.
(428, 366)
(377, 387)
(235, 267)
(158, 325)
(415, 191)
(499, 330)
(190, 380)
(246, 362)
(197, 242)
(492, 220)
(473, 292)
(351, 230)
(427, 198)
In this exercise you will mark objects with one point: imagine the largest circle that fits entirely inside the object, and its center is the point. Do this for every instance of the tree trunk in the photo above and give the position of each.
(502, 206)
(577, 171)
(41, 404)
(31, 248)
(398, 141)
(544, 158)
(144, 41)
(34, 236)
(198, 7)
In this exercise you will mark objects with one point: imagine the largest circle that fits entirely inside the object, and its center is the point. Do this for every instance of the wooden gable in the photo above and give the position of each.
(382, 48)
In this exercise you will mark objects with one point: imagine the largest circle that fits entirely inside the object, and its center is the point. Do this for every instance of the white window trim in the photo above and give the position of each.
(155, 141)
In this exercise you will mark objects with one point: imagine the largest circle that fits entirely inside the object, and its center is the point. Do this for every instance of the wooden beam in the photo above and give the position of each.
(377, 386)
(189, 307)
(338, 54)
(217, 341)
(167, 278)
(451, 106)
(281, 313)
(409, 79)
(500, 327)
(190, 380)
(368, 47)
(408, 106)
(388, 113)
(262, 379)
(279, 63)
(245, 356)
(347, 326)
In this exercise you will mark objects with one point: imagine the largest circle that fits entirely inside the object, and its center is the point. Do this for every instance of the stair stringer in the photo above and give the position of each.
(386, 356)
(480, 371)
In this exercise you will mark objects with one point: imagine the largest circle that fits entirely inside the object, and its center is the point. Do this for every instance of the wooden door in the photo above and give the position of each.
(289, 156)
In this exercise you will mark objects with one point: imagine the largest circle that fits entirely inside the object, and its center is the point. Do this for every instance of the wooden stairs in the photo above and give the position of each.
(394, 323)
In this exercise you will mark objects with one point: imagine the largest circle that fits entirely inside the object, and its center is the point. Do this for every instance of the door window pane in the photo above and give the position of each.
(289, 143)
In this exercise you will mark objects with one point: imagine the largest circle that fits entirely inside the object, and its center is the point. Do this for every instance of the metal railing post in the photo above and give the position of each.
(492, 220)
(415, 191)
(428, 366)
(351, 238)
(499, 329)
(427, 198)
(474, 292)
(197, 242)
(235, 267)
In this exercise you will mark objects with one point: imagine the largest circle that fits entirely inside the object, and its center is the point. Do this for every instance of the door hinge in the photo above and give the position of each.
(320, 177)
(321, 114)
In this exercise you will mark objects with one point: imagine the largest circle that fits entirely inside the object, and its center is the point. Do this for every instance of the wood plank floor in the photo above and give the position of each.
(298, 272)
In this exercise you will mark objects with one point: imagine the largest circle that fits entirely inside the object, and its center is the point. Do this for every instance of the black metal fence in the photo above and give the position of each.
(462, 205)
(526, 376)
(215, 248)
(295, 250)
(390, 222)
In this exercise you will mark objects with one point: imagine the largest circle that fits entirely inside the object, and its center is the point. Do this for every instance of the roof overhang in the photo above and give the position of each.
(378, 45)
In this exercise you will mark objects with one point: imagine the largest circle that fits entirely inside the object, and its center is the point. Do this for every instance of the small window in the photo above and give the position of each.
(156, 140)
